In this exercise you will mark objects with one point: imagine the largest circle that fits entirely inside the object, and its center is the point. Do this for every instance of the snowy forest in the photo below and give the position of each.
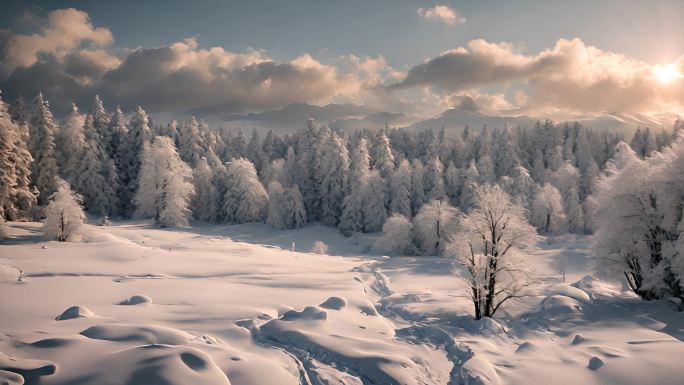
(412, 187)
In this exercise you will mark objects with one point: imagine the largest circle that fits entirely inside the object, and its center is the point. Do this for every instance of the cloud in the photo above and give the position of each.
(571, 76)
(441, 13)
(68, 59)
(65, 31)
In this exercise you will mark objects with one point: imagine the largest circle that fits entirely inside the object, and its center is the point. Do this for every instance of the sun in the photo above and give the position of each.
(667, 73)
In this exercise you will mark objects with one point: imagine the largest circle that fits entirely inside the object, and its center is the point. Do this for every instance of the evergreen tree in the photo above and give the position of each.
(400, 186)
(333, 174)
(16, 199)
(165, 188)
(42, 147)
(100, 122)
(418, 197)
(352, 219)
(96, 179)
(374, 212)
(246, 199)
(205, 203)
(192, 147)
(433, 180)
(138, 139)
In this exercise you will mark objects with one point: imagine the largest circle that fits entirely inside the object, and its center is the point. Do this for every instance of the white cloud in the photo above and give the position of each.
(571, 76)
(441, 13)
(66, 30)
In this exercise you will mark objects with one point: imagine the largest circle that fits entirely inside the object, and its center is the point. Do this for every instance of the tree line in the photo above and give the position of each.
(413, 186)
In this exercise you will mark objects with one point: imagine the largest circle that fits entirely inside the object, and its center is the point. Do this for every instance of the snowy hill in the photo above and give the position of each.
(134, 304)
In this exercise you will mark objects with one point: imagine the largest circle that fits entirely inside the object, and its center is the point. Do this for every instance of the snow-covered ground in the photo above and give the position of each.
(133, 304)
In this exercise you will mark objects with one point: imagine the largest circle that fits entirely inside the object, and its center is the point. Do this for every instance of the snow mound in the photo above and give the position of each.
(154, 364)
(26, 370)
(137, 299)
(560, 304)
(527, 347)
(75, 312)
(102, 237)
(9, 274)
(478, 371)
(10, 378)
(334, 303)
(309, 313)
(569, 291)
(141, 334)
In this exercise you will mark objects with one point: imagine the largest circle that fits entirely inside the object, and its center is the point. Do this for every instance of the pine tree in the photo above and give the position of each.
(400, 186)
(120, 148)
(245, 198)
(100, 120)
(96, 178)
(192, 146)
(18, 112)
(374, 211)
(418, 197)
(352, 219)
(70, 143)
(138, 139)
(205, 203)
(333, 174)
(285, 207)
(451, 183)
(165, 188)
(383, 160)
(433, 180)
(42, 147)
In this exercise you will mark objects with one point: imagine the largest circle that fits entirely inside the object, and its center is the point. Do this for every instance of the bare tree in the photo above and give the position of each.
(491, 235)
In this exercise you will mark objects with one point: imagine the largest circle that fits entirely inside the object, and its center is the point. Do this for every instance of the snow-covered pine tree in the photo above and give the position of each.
(374, 211)
(245, 198)
(285, 207)
(96, 178)
(418, 198)
(192, 146)
(433, 180)
(383, 159)
(100, 119)
(139, 136)
(451, 183)
(70, 142)
(205, 204)
(64, 216)
(119, 146)
(18, 112)
(333, 173)
(165, 187)
(352, 219)
(400, 187)
(42, 147)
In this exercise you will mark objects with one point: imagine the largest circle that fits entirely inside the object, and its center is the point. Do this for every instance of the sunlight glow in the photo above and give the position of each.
(667, 73)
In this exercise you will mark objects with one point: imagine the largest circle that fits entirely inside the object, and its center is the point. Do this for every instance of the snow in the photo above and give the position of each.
(135, 304)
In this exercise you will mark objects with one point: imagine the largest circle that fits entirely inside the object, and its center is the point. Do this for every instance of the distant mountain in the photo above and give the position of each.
(454, 120)
(293, 116)
(350, 117)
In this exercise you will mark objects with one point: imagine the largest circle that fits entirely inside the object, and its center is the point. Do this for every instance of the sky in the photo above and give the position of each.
(419, 57)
